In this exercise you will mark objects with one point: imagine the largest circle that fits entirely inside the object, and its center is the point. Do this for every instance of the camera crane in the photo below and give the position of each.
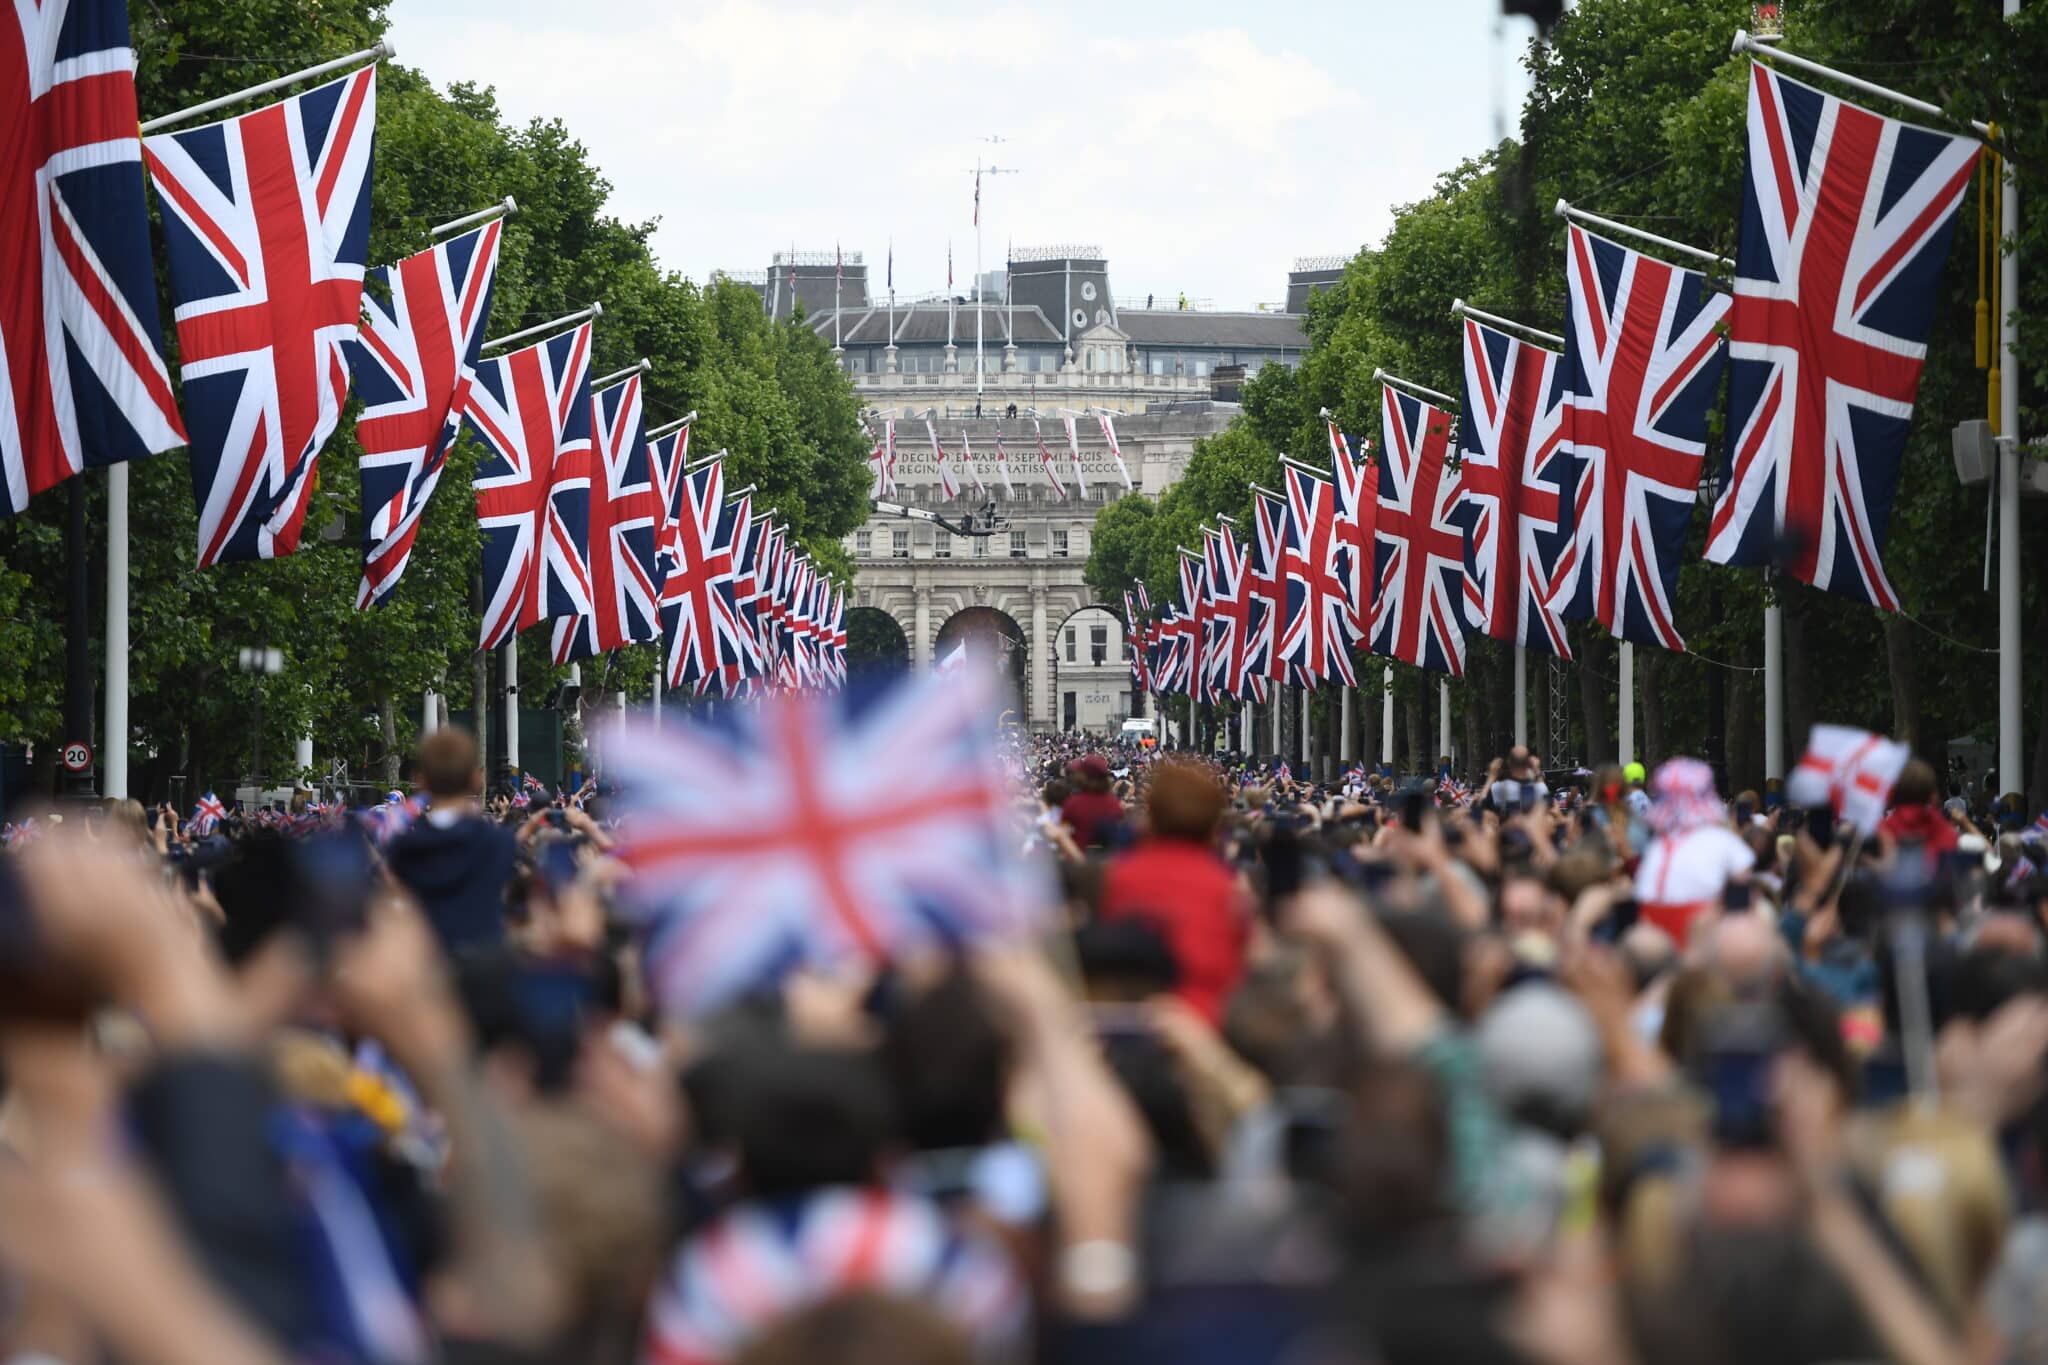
(986, 521)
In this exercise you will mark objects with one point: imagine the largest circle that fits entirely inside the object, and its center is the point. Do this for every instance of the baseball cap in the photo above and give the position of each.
(1634, 772)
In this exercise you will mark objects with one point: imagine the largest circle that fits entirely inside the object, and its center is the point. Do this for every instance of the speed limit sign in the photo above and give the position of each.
(77, 756)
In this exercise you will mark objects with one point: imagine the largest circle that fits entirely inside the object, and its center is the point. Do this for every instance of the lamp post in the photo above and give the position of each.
(260, 661)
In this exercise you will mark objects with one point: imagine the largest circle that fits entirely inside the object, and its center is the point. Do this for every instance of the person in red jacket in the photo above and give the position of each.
(1175, 879)
(1915, 817)
(1093, 811)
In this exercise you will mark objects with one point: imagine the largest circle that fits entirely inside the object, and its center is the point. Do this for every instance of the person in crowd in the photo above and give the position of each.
(1091, 810)
(453, 859)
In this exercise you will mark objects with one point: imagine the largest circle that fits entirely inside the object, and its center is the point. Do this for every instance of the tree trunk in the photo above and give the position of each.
(1651, 747)
(1414, 712)
(387, 723)
(1905, 678)
(1499, 731)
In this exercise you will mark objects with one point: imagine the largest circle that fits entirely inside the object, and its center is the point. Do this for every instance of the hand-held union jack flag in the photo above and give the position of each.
(413, 364)
(267, 221)
(626, 517)
(1642, 360)
(82, 377)
(1514, 476)
(531, 409)
(1846, 223)
(1418, 606)
(819, 829)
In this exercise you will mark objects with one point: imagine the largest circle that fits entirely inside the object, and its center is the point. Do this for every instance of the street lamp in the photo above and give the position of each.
(261, 661)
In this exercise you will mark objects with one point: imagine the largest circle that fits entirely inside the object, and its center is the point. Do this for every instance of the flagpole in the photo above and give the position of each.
(666, 427)
(2011, 775)
(641, 366)
(511, 700)
(596, 310)
(1415, 389)
(1774, 687)
(1387, 718)
(508, 207)
(114, 762)
(1443, 718)
(377, 53)
(1628, 702)
(977, 287)
(1460, 308)
(1585, 219)
(1521, 697)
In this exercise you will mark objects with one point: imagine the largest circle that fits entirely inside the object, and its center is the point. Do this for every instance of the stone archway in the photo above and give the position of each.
(991, 635)
(875, 640)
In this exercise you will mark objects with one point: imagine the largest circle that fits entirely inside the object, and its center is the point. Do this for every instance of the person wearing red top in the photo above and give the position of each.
(1914, 817)
(1175, 879)
(1093, 810)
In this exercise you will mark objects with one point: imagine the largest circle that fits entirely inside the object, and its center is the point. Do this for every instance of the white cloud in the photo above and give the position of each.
(1203, 147)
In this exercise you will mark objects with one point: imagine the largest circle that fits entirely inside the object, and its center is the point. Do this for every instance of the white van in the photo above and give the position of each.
(1138, 728)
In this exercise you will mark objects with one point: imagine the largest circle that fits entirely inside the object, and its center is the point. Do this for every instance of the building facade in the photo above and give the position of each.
(1055, 343)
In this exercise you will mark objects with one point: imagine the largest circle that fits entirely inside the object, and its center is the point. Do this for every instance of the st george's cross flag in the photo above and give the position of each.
(1074, 455)
(882, 464)
(1320, 630)
(626, 515)
(948, 483)
(1516, 482)
(1642, 363)
(531, 411)
(413, 363)
(1003, 465)
(967, 458)
(833, 829)
(1355, 481)
(1419, 601)
(1847, 218)
(1850, 771)
(1047, 462)
(82, 376)
(1116, 452)
(266, 224)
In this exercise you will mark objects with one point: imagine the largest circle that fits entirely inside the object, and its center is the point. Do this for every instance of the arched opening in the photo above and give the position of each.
(990, 635)
(875, 640)
(1091, 670)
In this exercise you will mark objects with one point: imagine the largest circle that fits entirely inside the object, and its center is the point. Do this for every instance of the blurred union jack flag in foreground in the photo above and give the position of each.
(820, 829)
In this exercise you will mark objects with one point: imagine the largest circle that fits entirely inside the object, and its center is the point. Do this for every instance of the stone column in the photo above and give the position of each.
(921, 633)
(1041, 707)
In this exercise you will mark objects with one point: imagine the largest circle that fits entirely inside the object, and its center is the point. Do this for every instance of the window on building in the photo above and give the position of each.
(981, 547)
(1098, 645)
(1017, 547)
(1059, 542)
(1071, 637)
(1072, 721)
(1201, 369)
(942, 546)
(863, 544)
(899, 544)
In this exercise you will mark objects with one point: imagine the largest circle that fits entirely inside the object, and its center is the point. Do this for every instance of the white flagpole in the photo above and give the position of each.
(977, 287)
(1443, 718)
(114, 762)
(1344, 737)
(1628, 702)
(641, 366)
(1387, 719)
(368, 54)
(596, 310)
(430, 714)
(505, 208)
(1418, 390)
(1585, 219)
(512, 702)
(2012, 775)
(1521, 697)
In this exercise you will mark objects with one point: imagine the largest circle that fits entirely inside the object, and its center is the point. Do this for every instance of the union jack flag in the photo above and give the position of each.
(1194, 596)
(1274, 595)
(626, 516)
(1319, 631)
(413, 364)
(947, 482)
(267, 222)
(1172, 653)
(859, 824)
(1418, 606)
(1513, 472)
(700, 615)
(1847, 219)
(1356, 484)
(668, 455)
(1135, 632)
(1229, 573)
(1047, 462)
(1642, 359)
(206, 814)
(748, 535)
(531, 409)
(1116, 452)
(82, 376)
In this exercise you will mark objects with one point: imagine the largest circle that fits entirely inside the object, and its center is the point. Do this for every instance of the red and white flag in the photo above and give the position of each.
(1851, 770)
(942, 460)
(1046, 461)
(967, 455)
(1003, 466)
(1116, 451)
(1074, 452)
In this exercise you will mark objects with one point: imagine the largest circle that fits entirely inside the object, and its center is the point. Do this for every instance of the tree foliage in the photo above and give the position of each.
(767, 393)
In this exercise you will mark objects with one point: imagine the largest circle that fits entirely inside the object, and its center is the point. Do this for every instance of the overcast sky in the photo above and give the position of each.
(1202, 144)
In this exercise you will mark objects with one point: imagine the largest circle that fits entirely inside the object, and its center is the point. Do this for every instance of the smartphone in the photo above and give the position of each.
(556, 862)
(1737, 897)
(337, 876)
(1413, 803)
(1820, 825)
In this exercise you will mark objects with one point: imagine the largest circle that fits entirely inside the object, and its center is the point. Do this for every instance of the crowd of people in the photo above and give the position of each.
(1598, 1068)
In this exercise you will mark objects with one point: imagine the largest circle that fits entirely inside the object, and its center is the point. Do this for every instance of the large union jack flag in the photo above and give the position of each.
(701, 621)
(1273, 593)
(82, 377)
(1847, 219)
(1418, 602)
(1642, 359)
(1515, 478)
(626, 517)
(1231, 611)
(822, 829)
(1320, 629)
(423, 327)
(1198, 612)
(1136, 633)
(1171, 653)
(531, 409)
(267, 221)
